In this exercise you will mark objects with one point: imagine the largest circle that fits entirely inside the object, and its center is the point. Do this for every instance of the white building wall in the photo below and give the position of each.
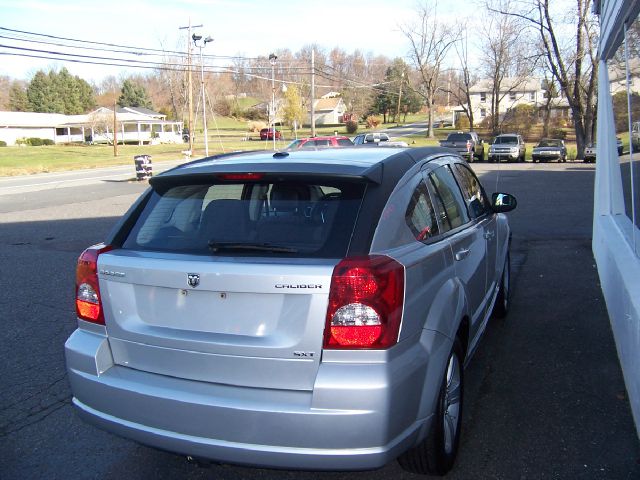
(613, 232)
(521, 98)
(11, 134)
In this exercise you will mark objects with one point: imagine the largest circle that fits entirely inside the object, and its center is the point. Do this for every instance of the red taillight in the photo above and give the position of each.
(365, 304)
(88, 302)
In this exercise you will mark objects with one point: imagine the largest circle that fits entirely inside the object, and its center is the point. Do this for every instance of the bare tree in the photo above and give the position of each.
(574, 64)
(5, 85)
(460, 87)
(430, 40)
(507, 62)
(101, 123)
(551, 92)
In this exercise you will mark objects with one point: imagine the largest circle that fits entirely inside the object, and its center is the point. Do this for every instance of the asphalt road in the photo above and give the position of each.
(545, 397)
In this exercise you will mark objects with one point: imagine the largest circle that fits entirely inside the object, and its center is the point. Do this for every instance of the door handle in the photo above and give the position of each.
(462, 254)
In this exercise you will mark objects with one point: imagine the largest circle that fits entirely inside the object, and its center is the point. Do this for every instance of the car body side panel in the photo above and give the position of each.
(489, 226)
(470, 260)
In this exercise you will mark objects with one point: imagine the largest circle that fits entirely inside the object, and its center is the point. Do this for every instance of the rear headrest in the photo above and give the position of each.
(285, 196)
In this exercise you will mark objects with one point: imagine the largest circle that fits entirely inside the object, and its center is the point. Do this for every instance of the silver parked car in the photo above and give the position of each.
(509, 147)
(549, 149)
(304, 310)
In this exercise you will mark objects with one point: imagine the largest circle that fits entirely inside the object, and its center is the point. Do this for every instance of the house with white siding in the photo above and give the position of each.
(328, 111)
(134, 125)
(513, 92)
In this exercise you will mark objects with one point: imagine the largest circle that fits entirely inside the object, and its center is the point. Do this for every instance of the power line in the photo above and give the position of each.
(115, 45)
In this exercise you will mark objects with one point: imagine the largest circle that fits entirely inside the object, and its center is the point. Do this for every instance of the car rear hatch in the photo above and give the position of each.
(227, 281)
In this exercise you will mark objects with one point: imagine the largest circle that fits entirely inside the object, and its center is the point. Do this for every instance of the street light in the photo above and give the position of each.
(196, 38)
(272, 61)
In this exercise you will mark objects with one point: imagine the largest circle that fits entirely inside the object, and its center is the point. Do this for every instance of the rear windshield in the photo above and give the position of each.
(257, 218)
(550, 143)
(506, 139)
(458, 137)
(345, 142)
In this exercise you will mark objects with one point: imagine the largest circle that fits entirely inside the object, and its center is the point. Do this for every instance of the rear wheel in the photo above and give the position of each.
(436, 454)
(501, 307)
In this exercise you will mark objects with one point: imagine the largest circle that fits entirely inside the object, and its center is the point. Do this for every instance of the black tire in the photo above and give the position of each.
(436, 454)
(481, 156)
(503, 299)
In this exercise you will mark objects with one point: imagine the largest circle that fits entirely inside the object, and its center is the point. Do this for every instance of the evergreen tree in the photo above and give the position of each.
(133, 95)
(18, 101)
(386, 102)
(40, 93)
(57, 92)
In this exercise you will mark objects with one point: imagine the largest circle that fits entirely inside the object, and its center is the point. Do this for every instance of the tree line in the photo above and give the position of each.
(505, 44)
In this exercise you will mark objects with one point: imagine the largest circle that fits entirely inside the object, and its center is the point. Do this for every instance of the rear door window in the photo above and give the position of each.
(474, 196)
(448, 200)
(421, 216)
(258, 218)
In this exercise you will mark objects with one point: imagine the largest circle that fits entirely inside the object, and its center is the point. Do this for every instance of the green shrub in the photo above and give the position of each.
(3, 143)
(352, 127)
(34, 141)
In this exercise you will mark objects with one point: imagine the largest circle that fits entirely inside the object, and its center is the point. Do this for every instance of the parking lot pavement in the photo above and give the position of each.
(545, 398)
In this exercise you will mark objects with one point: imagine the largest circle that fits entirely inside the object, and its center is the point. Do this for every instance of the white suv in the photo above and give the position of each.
(509, 147)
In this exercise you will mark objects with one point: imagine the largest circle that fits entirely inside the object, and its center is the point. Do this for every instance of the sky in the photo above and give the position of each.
(246, 27)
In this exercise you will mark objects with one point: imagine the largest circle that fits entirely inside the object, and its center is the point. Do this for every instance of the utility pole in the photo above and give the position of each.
(189, 81)
(115, 131)
(313, 92)
(399, 98)
(197, 38)
(272, 60)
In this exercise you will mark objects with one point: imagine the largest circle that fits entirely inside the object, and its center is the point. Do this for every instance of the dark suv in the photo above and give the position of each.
(466, 144)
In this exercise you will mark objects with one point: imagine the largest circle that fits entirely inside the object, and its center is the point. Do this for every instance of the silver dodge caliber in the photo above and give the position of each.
(304, 310)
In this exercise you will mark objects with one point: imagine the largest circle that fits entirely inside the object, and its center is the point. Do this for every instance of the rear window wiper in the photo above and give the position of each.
(256, 247)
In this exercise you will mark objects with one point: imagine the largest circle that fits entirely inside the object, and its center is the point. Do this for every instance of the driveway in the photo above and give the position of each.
(545, 397)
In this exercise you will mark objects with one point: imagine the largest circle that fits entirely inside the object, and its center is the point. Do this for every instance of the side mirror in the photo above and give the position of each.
(503, 202)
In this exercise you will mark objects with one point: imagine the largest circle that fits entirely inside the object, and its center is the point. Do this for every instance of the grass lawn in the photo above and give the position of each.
(28, 160)
(225, 135)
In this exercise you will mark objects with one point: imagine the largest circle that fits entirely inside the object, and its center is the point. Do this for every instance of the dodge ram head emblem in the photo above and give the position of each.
(193, 279)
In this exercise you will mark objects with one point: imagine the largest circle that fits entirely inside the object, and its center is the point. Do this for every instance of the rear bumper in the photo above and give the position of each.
(503, 156)
(359, 416)
(537, 156)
